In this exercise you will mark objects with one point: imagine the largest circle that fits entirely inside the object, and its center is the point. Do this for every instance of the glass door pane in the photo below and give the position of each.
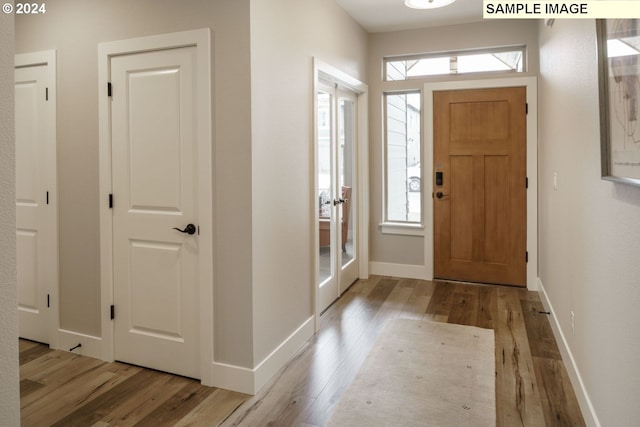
(326, 194)
(336, 192)
(347, 179)
(346, 164)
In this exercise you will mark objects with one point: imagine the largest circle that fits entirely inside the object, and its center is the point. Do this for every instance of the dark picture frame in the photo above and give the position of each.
(619, 92)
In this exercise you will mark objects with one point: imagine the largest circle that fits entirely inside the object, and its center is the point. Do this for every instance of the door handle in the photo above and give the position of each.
(189, 229)
(440, 194)
(339, 202)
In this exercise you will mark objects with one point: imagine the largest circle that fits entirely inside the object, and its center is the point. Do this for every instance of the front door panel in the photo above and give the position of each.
(480, 208)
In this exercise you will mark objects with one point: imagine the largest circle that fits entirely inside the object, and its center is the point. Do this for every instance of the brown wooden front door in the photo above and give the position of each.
(480, 211)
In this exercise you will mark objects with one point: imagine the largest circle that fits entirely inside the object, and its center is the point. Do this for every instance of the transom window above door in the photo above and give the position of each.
(492, 60)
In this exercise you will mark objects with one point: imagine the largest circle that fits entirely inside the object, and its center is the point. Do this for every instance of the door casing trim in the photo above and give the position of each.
(531, 85)
(201, 40)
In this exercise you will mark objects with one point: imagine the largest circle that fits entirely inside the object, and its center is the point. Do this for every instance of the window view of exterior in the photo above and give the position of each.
(403, 172)
(492, 60)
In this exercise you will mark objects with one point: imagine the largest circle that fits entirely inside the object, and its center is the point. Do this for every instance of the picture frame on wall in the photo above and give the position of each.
(618, 47)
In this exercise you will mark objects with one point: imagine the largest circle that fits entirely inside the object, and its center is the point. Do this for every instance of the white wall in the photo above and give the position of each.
(285, 36)
(589, 229)
(9, 391)
(409, 250)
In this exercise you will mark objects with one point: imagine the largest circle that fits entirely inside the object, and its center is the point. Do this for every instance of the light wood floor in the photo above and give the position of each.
(63, 389)
(532, 386)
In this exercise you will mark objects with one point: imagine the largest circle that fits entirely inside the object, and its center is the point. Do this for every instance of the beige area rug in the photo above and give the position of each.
(422, 373)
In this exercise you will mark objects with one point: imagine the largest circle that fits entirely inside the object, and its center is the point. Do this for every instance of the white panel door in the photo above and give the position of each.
(35, 213)
(336, 168)
(154, 170)
(347, 177)
(327, 196)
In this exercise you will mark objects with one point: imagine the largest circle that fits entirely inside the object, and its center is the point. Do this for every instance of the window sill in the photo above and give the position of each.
(402, 229)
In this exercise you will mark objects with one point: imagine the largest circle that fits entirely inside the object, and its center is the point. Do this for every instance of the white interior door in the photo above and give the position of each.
(336, 192)
(155, 187)
(326, 194)
(36, 217)
(348, 188)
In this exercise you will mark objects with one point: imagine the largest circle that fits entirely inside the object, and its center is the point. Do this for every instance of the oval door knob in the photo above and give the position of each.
(189, 229)
(440, 194)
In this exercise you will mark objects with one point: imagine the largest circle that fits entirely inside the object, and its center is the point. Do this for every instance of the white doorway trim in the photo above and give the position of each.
(48, 58)
(362, 92)
(531, 84)
(201, 40)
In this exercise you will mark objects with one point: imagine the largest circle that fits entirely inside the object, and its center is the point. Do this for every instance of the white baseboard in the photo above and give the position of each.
(250, 381)
(91, 346)
(285, 351)
(588, 411)
(398, 270)
(231, 377)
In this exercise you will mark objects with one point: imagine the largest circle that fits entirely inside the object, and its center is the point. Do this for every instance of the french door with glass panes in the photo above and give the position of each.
(336, 192)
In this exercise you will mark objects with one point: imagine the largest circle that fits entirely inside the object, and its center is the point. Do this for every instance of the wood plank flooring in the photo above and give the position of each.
(64, 389)
(532, 385)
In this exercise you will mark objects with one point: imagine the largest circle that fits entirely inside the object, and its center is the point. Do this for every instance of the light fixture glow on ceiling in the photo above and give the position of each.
(427, 4)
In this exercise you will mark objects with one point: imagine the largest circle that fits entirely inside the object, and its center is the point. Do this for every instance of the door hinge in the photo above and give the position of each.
(112, 311)
(526, 182)
(46, 94)
(47, 197)
(526, 256)
(110, 201)
(48, 301)
(109, 89)
(526, 107)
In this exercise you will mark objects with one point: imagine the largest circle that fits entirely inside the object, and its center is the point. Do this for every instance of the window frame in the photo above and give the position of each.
(387, 226)
(455, 53)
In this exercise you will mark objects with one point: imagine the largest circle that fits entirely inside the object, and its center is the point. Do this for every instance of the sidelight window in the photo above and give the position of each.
(403, 173)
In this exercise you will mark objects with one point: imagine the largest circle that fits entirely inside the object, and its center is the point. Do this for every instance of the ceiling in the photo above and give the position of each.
(392, 15)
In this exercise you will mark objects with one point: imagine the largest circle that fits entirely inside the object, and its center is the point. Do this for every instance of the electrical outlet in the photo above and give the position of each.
(573, 322)
(555, 181)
